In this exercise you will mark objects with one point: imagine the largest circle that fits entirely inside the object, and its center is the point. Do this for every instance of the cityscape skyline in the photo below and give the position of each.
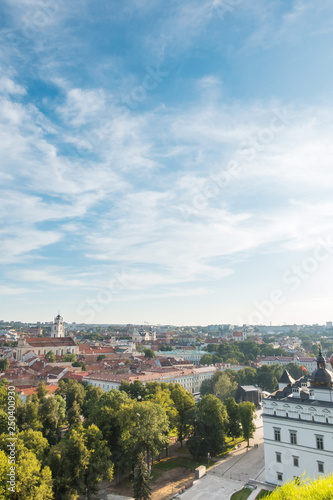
(166, 163)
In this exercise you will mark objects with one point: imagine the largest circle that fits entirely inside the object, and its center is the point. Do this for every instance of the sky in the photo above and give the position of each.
(166, 162)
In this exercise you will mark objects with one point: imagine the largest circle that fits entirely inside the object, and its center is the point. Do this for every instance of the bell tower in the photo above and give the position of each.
(58, 329)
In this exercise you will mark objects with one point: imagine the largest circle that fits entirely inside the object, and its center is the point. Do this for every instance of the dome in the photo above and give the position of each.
(322, 377)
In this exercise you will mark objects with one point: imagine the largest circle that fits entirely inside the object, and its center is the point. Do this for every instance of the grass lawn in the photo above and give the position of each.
(263, 494)
(242, 494)
(172, 462)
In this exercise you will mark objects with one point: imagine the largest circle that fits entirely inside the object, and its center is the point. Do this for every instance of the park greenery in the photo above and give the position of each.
(69, 441)
(224, 384)
(239, 352)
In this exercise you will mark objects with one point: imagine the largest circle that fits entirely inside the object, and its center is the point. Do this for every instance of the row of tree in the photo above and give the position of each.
(225, 384)
(68, 442)
(239, 352)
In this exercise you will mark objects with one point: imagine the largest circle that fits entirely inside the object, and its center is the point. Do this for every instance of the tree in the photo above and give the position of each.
(73, 415)
(4, 364)
(33, 482)
(48, 412)
(184, 401)
(35, 442)
(206, 359)
(144, 428)
(42, 390)
(149, 353)
(50, 356)
(163, 398)
(80, 462)
(295, 370)
(224, 387)
(99, 465)
(72, 391)
(91, 399)
(268, 376)
(209, 421)
(141, 485)
(246, 413)
(207, 387)
(69, 358)
(100, 357)
(234, 429)
(80, 363)
(28, 416)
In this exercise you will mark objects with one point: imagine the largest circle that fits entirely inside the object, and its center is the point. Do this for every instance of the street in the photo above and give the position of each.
(228, 476)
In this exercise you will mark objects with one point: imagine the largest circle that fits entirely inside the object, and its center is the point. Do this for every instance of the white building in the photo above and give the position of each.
(298, 426)
(42, 345)
(58, 327)
(190, 380)
(308, 362)
(190, 355)
(143, 335)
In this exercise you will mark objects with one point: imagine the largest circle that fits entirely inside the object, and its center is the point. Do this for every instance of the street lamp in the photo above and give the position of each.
(208, 457)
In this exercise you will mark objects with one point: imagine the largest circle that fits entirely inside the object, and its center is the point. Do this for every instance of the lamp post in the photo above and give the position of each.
(208, 457)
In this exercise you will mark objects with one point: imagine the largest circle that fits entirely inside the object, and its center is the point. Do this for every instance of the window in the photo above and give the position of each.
(320, 466)
(296, 462)
(320, 442)
(293, 437)
(277, 434)
(279, 476)
(278, 457)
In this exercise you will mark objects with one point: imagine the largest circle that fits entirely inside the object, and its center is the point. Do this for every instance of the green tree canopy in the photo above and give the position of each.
(183, 401)
(209, 421)
(141, 485)
(224, 387)
(50, 356)
(149, 353)
(234, 429)
(246, 413)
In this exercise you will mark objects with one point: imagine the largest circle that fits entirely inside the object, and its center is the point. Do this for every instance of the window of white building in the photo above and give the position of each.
(277, 434)
(293, 437)
(279, 476)
(278, 457)
(320, 442)
(296, 461)
(320, 466)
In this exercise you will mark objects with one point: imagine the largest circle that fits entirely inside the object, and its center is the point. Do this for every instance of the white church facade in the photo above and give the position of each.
(57, 343)
(298, 427)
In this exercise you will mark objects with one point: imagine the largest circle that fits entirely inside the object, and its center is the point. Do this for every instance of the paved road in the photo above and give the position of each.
(228, 476)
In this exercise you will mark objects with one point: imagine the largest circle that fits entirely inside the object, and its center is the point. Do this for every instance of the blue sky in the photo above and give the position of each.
(167, 162)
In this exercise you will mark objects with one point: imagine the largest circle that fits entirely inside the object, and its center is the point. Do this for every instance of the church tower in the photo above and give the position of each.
(58, 327)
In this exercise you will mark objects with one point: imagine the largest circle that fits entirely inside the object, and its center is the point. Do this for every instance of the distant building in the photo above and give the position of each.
(190, 355)
(248, 393)
(42, 345)
(190, 380)
(143, 335)
(298, 426)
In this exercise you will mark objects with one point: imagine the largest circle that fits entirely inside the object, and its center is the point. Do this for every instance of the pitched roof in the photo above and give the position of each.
(286, 378)
(50, 341)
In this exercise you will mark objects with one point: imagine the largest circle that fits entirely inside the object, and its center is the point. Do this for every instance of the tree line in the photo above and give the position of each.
(68, 442)
(238, 352)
